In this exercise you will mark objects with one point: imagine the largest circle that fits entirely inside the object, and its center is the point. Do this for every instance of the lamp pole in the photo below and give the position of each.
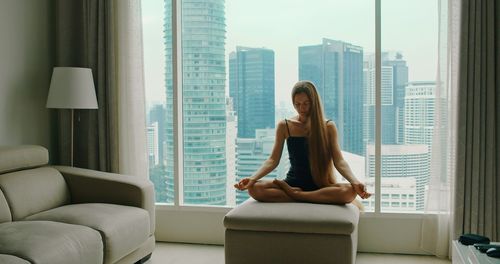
(72, 131)
(72, 88)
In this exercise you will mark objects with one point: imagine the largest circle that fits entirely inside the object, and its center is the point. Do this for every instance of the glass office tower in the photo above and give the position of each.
(394, 80)
(336, 68)
(251, 85)
(204, 102)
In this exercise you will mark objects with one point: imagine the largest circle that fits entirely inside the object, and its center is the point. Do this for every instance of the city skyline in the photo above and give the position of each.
(212, 72)
(408, 27)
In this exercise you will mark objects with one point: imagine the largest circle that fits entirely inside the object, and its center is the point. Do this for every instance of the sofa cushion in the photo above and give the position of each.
(32, 191)
(123, 228)
(22, 157)
(5, 215)
(43, 242)
(9, 259)
(293, 217)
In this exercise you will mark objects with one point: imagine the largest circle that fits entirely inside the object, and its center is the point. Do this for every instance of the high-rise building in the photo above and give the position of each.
(400, 80)
(204, 102)
(231, 131)
(402, 161)
(419, 112)
(388, 107)
(420, 106)
(251, 85)
(394, 77)
(251, 154)
(336, 68)
(153, 149)
(157, 114)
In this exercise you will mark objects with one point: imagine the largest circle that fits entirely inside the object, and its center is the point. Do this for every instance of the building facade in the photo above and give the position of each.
(419, 112)
(251, 85)
(402, 165)
(394, 77)
(204, 102)
(336, 68)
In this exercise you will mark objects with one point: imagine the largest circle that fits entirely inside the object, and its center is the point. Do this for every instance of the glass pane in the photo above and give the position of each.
(409, 68)
(321, 41)
(238, 70)
(157, 40)
(204, 106)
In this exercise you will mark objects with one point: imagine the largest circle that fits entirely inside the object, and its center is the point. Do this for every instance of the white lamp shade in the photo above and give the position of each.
(72, 88)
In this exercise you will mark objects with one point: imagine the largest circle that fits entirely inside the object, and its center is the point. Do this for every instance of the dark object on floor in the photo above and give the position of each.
(484, 247)
(493, 252)
(144, 259)
(471, 239)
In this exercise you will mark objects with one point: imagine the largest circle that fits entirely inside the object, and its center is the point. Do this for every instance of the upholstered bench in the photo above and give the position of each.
(260, 233)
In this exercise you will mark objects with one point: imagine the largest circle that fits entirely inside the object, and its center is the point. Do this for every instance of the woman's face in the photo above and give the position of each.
(302, 104)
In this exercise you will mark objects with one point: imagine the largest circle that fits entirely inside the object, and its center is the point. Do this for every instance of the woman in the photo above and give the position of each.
(313, 149)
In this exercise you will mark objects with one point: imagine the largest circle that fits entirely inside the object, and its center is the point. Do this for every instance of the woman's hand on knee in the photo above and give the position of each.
(245, 184)
(360, 189)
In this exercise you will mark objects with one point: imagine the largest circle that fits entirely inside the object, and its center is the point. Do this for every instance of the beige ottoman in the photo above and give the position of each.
(259, 233)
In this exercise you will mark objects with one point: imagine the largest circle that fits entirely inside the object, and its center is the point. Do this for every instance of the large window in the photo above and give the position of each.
(219, 78)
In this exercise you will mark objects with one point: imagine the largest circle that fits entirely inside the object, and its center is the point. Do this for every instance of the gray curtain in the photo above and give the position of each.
(477, 185)
(84, 38)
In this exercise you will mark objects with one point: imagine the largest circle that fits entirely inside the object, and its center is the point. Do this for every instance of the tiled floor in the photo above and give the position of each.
(174, 253)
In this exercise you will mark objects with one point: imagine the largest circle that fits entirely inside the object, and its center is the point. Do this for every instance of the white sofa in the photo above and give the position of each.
(59, 214)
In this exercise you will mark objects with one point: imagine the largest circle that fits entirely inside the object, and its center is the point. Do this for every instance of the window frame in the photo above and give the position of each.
(178, 112)
(187, 223)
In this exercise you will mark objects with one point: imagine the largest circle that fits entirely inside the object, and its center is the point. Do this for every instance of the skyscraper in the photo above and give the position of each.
(420, 104)
(400, 80)
(204, 113)
(153, 149)
(251, 85)
(400, 164)
(157, 114)
(231, 131)
(388, 108)
(336, 68)
(394, 79)
(419, 112)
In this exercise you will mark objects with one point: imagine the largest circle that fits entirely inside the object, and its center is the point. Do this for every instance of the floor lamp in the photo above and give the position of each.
(72, 88)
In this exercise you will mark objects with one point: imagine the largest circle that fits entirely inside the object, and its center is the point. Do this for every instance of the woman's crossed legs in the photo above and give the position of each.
(280, 191)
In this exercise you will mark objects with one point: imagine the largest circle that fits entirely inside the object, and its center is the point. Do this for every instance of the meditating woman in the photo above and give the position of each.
(313, 149)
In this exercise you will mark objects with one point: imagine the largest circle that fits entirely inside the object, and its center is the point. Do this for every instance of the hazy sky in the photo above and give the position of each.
(283, 25)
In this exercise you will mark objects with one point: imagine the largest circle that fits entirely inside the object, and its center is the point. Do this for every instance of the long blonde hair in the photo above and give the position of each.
(320, 156)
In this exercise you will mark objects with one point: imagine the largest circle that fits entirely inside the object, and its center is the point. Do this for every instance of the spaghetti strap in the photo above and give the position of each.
(288, 129)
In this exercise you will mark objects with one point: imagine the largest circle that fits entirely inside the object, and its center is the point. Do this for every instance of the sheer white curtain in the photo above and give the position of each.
(130, 82)
(437, 222)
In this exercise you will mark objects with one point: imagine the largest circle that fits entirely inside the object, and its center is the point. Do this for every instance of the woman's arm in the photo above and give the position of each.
(341, 165)
(271, 163)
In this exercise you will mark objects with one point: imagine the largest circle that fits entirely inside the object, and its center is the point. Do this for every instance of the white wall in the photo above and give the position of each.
(25, 71)
(381, 233)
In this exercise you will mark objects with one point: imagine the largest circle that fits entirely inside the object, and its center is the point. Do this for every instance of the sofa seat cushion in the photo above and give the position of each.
(9, 259)
(293, 217)
(44, 242)
(123, 228)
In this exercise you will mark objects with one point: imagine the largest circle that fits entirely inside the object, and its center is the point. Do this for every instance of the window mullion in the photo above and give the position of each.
(378, 106)
(177, 101)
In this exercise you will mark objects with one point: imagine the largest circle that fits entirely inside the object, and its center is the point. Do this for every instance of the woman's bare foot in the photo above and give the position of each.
(290, 191)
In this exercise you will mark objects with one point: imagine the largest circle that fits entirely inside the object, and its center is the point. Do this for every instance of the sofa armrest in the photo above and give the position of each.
(91, 186)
